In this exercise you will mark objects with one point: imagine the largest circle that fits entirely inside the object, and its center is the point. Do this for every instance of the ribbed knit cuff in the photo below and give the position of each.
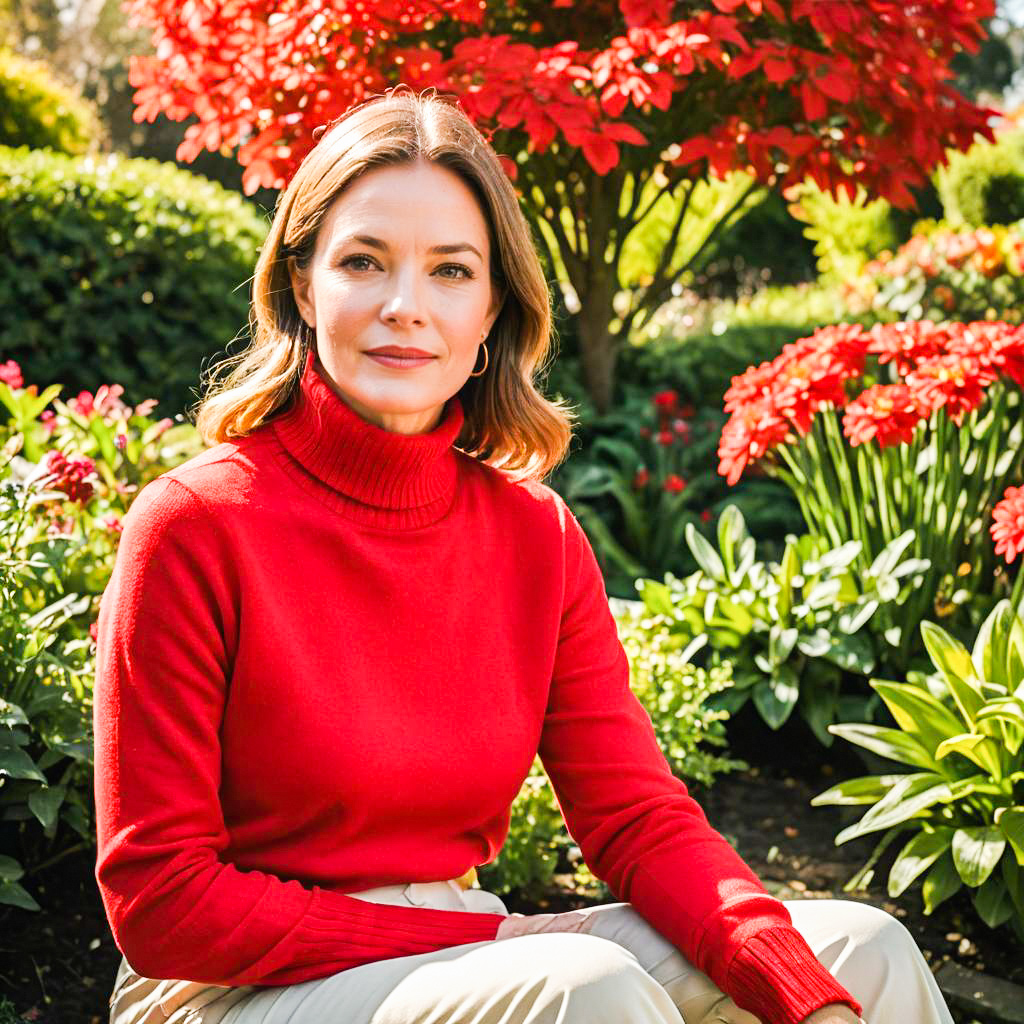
(777, 977)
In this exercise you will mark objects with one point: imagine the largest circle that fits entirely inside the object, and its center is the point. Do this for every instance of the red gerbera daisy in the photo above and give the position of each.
(752, 431)
(1007, 527)
(907, 344)
(887, 412)
(951, 381)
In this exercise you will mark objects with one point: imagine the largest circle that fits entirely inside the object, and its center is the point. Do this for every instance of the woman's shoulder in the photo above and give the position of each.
(520, 496)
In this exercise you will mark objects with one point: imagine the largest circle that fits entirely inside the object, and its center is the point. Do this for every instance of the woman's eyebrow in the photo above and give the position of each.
(443, 250)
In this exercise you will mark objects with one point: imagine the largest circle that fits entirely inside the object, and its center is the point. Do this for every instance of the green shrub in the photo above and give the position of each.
(117, 269)
(961, 729)
(796, 634)
(39, 112)
(984, 185)
(675, 694)
(67, 475)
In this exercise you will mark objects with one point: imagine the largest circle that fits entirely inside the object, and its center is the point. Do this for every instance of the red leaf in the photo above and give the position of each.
(602, 154)
(813, 102)
(622, 132)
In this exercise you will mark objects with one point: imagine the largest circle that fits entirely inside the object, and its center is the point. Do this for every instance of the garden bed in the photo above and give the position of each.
(57, 966)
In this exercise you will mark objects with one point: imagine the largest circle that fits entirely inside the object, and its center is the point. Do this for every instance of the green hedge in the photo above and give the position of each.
(38, 111)
(985, 185)
(113, 269)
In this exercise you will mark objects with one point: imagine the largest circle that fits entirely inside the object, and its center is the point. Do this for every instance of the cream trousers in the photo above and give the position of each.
(619, 971)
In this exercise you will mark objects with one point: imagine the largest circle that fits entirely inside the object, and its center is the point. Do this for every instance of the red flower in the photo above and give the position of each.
(1007, 527)
(83, 404)
(10, 374)
(753, 384)
(94, 631)
(665, 399)
(112, 523)
(674, 483)
(953, 381)
(666, 437)
(706, 515)
(682, 428)
(887, 412)
(907, 344)
(751, 431)
(645, 431)
(640, 478)
(71, 474)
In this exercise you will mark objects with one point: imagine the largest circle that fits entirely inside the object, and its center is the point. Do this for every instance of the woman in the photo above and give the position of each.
(334, 642)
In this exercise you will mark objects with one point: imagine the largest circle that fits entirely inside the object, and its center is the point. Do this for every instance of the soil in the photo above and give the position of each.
(57, 966)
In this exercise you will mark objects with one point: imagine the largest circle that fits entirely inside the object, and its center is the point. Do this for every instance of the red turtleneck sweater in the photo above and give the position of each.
(327, 656)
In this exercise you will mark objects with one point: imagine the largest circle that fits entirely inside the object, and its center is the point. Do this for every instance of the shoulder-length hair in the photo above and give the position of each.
(508, 423)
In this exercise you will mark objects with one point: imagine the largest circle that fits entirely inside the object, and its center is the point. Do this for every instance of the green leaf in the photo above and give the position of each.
(706, 556)
(45, 803)
(993, 902)
(992, 654)
(953, 660)
(14, 895)
(657, 597)
(1011, 823)
(976, 851)
(776, 697)
(16, 764)
(941, 882)
(917, 857)
(891, 743)
(867, 789)
(911, 795)
(918, 713)
(10, 869)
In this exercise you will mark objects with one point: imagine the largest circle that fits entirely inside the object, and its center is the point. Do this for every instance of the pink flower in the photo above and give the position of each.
(71, 475)
(10, 374)
(83, 404)
(48, 418)
(112, 522)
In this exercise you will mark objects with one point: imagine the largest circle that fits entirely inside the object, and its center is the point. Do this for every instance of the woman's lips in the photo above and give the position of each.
(401, 362)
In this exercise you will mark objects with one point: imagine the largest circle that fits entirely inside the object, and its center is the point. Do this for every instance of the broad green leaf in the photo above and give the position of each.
(836, 558)
(918, 712)
(889, 556)
(963, 744)
(917, 857)
(993, 902)
(706, 556)
(993, 646)
(16, 896)
(1011, 823)
(657, 597)
(976, 851)
(867, 789)
(45, 803)
(891, 743)
(16, 764)
(776, 696)
(915, 793)
(941, 882)
(10, 869)
(953, 660)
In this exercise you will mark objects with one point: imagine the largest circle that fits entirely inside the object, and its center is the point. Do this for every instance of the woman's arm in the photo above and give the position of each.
(642, 833)
(176, 909)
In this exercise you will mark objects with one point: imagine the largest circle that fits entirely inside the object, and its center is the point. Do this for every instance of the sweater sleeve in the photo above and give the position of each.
(641, 832)
(176, 909)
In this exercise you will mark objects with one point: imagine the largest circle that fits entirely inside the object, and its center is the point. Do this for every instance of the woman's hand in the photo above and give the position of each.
(834, 1013)
(531, 924)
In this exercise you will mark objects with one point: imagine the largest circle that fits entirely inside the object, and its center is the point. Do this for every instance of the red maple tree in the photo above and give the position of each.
(601, 108)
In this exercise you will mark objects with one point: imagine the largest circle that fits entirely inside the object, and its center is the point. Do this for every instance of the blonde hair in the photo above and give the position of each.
(508, 423)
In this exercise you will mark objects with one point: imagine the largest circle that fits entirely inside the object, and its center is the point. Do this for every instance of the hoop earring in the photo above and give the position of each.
(480, 372)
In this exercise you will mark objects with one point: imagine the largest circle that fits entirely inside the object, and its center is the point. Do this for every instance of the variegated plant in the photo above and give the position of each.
(962, 729)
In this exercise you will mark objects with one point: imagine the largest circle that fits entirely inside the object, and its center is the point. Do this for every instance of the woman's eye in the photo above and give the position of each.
(349, 260)
(458, 266)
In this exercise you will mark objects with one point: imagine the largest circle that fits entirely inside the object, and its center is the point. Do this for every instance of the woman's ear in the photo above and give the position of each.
(302, 292)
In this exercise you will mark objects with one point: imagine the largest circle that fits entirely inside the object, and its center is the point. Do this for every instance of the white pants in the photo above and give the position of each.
(620, 971)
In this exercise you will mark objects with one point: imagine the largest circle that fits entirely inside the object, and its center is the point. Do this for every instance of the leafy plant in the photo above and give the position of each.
(961, 729)
(793, 631)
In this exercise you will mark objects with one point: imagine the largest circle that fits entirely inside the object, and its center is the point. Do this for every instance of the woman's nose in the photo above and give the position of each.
(403, 303)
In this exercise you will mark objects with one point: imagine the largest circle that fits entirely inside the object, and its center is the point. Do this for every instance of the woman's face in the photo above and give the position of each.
(402, 259)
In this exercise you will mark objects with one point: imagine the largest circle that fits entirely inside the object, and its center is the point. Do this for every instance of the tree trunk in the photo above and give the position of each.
(598, 347)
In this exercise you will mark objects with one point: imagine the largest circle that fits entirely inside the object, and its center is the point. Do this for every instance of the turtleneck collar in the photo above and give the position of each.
(412, 475)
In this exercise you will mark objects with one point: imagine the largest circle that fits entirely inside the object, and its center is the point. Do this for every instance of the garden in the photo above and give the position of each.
(785, 247)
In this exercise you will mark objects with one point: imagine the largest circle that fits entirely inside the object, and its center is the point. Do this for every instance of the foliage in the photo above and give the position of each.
(674, 694)
(795, 633)
(39, 112)
(61, 503)
(984, 185)
(930, 432)
(600, 110)
(846, 231)
(123, 269)
(796, 308)
(941, 273)
(962, 730)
